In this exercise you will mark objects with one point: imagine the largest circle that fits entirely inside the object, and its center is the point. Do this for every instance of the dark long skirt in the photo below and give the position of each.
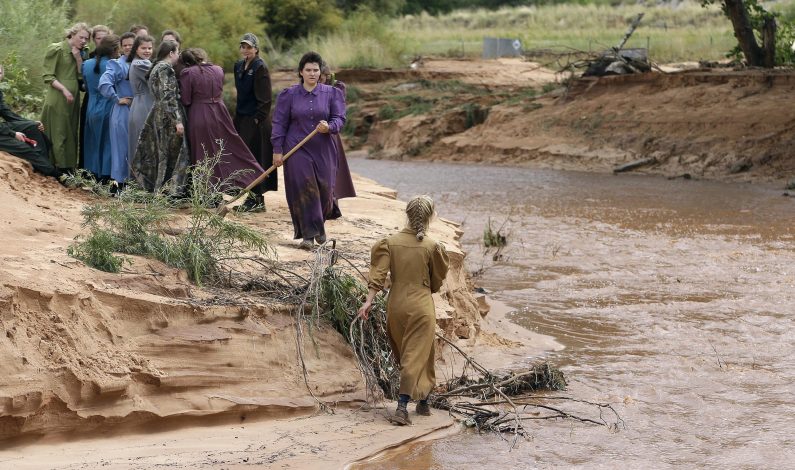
(257, 137)
(343, 186)
(38, 156)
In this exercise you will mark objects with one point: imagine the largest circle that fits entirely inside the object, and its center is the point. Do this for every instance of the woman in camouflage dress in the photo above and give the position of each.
(162, 152)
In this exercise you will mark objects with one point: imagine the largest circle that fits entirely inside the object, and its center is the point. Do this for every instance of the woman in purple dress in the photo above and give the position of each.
(310, 173)
(210, 125)
(343, 183)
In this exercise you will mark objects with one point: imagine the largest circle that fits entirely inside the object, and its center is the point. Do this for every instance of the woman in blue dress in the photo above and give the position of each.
(115, 86)
(97, 157)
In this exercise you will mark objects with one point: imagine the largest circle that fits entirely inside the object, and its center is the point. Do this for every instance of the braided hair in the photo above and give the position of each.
(420, 210)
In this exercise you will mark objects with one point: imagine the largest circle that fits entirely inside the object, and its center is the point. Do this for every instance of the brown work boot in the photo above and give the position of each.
(423, 408)
(401, 417)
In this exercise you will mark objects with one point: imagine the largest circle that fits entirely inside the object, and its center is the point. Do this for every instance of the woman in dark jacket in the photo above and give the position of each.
(24, 138)
(252, 114)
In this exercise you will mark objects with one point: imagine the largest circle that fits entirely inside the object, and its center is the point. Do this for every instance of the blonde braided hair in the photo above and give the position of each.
(420, 210)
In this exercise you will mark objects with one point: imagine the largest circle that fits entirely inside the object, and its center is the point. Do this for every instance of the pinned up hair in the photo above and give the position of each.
(106, 48)
(76, 28)
(419, 211)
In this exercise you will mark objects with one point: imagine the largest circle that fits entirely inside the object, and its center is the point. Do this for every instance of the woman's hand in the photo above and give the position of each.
(180, 129)
(364, 310)
(125, 101)
(40, 126)
(19, 136)
(278, 159)
(68, 95)
(322, 127)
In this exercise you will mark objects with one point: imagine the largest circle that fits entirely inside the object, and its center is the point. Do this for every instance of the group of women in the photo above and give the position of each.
(137, 126)
(154, 110)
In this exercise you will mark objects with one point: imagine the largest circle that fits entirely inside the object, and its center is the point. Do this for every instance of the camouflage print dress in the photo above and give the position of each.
(162, 155)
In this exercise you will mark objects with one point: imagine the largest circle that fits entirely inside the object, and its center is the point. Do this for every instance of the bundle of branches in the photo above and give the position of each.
(137, 222)
(339, 297)
(500, 402)
(542, 376)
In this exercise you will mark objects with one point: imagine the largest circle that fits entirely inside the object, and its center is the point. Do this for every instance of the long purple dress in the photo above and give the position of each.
(209, 122)
(343, 186)
(309, 174)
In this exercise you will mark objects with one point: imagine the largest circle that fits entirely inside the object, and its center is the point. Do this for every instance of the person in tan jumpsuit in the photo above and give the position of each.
(418, 266)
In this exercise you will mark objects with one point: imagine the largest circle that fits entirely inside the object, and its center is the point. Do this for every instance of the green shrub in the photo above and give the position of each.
(137, 222)
(98, 251)
(387, 112)
(24, 97)
(27, 28)
(293, 19)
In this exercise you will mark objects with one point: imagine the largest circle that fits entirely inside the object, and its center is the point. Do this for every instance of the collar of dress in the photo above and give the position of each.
(313, 92)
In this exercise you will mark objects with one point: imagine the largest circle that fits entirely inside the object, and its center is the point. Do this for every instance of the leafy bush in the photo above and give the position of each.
(215, 26)
(19, 93)
(137, 222)
(27, 28)
(293, 19)
(97, 250)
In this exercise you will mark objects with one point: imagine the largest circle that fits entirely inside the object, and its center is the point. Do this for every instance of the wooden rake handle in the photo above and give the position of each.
(223, 210)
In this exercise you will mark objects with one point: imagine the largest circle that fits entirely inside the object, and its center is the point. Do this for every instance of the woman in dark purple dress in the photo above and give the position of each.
(309, 175)
(343, 183)
(209, 123)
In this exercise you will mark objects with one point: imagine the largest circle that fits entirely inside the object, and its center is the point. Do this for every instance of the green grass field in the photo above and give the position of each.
(673, 33)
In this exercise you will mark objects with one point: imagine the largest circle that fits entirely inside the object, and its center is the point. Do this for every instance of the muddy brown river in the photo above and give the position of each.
(673, 298)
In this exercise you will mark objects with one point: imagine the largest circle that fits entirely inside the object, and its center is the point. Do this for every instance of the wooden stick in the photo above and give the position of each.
(223, 210)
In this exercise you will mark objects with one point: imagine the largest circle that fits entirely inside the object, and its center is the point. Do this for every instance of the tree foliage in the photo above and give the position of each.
(215, 26)
(293, 19)
(26, 29)
(760, 39)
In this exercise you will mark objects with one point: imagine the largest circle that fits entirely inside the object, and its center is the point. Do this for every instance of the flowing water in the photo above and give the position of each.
(673, 299)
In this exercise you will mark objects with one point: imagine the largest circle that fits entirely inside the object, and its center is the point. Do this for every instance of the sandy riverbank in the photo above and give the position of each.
(143, 369)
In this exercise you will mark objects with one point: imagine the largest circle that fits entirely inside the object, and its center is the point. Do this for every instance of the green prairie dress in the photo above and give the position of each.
(418, 269)
(61, 119)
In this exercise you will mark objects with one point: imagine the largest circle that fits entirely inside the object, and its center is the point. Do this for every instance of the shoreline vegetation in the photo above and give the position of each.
(673, 31)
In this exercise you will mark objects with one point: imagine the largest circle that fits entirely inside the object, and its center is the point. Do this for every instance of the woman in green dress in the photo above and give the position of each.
(61, 114)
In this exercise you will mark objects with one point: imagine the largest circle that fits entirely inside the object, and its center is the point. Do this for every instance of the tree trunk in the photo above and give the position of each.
(743, 31)
(769, 42)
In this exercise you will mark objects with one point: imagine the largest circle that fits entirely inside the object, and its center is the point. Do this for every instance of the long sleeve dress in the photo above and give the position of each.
(162, 156)
(96, 152)
(252, 115)
(38, 156)
(418, 269)
(210, 124)
(343, 183)
(141, 105)
(309, 174)
(114, 86)
(61, 119)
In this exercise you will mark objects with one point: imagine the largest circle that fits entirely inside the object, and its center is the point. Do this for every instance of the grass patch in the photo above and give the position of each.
(673, 32)
(492, 238)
